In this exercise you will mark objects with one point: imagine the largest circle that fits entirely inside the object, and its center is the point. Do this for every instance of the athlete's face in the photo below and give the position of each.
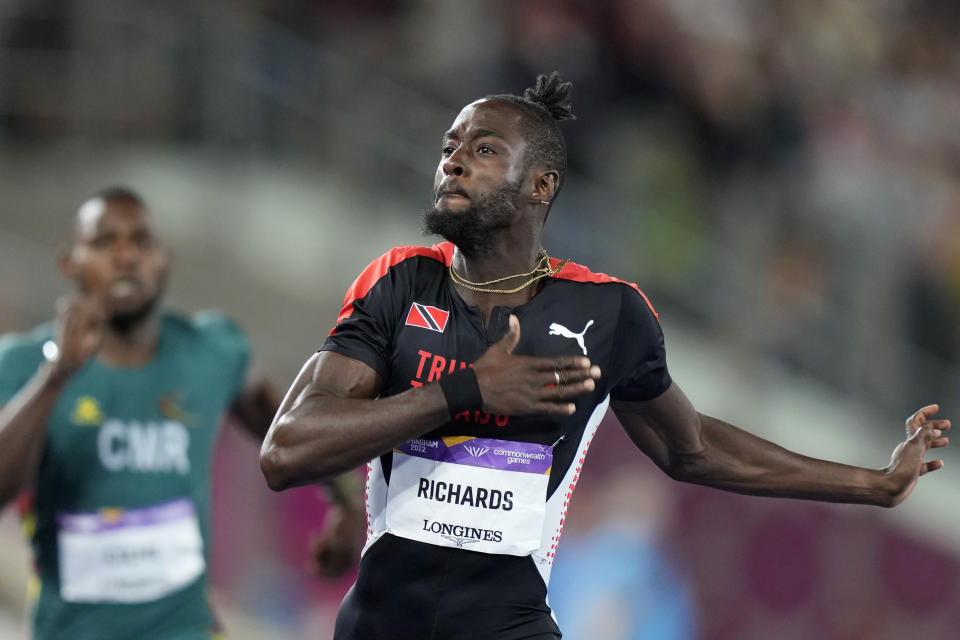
(477, 187)
(117, 257)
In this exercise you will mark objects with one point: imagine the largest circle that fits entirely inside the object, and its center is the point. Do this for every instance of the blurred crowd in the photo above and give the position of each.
(783, 175)
(786, 173)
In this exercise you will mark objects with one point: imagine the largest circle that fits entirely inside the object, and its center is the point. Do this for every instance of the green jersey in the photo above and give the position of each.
(121, 502)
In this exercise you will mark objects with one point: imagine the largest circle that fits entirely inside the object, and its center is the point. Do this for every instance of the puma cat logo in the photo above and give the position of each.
(560, 330)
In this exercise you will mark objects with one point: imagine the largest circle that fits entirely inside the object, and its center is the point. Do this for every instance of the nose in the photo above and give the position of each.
(126, 253)
(453, 164)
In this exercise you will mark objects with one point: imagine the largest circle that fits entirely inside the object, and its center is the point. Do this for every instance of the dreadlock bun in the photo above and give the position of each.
(553, 94)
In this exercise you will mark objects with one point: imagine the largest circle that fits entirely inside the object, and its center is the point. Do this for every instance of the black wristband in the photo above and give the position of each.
(462, 391)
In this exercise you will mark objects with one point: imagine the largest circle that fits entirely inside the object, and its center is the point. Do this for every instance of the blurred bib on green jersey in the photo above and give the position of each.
(132, 555)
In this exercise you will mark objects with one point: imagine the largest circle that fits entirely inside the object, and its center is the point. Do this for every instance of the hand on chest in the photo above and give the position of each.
(432, 341)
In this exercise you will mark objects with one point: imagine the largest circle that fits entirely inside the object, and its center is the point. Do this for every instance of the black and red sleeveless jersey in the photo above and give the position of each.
(405, 319)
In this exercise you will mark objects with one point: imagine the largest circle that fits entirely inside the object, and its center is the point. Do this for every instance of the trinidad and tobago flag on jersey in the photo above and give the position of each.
(432, 318)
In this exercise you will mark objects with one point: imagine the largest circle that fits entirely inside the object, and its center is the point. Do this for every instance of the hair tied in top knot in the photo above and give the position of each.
(553, 94)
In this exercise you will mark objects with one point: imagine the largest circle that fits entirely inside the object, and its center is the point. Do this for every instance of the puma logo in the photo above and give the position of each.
(560, 330)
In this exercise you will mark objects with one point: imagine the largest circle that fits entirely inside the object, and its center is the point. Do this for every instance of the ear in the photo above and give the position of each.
(545, 185)
(65, 264)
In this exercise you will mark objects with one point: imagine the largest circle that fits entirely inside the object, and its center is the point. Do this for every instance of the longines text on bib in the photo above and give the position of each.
(480, 494)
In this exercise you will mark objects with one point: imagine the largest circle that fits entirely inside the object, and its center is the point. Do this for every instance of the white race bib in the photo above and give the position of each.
(129, 555)
(480, 494)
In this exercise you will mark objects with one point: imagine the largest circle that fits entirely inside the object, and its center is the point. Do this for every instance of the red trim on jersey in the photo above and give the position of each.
(377, 269)
(579, 273)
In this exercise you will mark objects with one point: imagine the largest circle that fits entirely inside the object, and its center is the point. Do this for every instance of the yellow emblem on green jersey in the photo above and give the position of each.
(170, 406)
(87, 412)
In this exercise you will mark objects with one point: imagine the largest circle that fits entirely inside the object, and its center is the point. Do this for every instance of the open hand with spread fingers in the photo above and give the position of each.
(907, 463)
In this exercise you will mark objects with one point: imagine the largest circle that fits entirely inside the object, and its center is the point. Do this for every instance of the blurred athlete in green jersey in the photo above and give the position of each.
(109, 416)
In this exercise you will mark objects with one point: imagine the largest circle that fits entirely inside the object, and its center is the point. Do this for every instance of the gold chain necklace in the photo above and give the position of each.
(541, 270)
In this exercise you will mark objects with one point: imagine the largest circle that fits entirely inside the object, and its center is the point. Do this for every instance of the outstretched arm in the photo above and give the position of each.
(330, 422)
(693, 447)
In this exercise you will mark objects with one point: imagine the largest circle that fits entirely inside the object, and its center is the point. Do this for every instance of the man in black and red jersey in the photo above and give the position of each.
(473, 374)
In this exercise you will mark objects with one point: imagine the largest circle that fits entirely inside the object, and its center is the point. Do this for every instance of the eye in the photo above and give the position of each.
(485, 148)
(143, 240)
(101, 241)
(448, 150)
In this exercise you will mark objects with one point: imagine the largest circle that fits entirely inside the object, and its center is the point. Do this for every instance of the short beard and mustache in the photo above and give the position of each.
(476, 229)
(125, 322)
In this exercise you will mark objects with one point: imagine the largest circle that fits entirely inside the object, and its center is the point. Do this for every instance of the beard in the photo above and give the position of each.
(126, 321)
(131, 316)
(475, 230)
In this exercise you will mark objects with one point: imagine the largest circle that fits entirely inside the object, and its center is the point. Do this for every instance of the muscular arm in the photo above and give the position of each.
(330, 422)
(23, 431)
(335, 548)
(254, 410)
(693, 447)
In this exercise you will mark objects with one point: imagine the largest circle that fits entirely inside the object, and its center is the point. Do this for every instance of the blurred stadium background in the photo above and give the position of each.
(782, 178)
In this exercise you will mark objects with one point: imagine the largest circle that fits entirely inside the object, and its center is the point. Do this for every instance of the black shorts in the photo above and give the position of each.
(409, 590)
